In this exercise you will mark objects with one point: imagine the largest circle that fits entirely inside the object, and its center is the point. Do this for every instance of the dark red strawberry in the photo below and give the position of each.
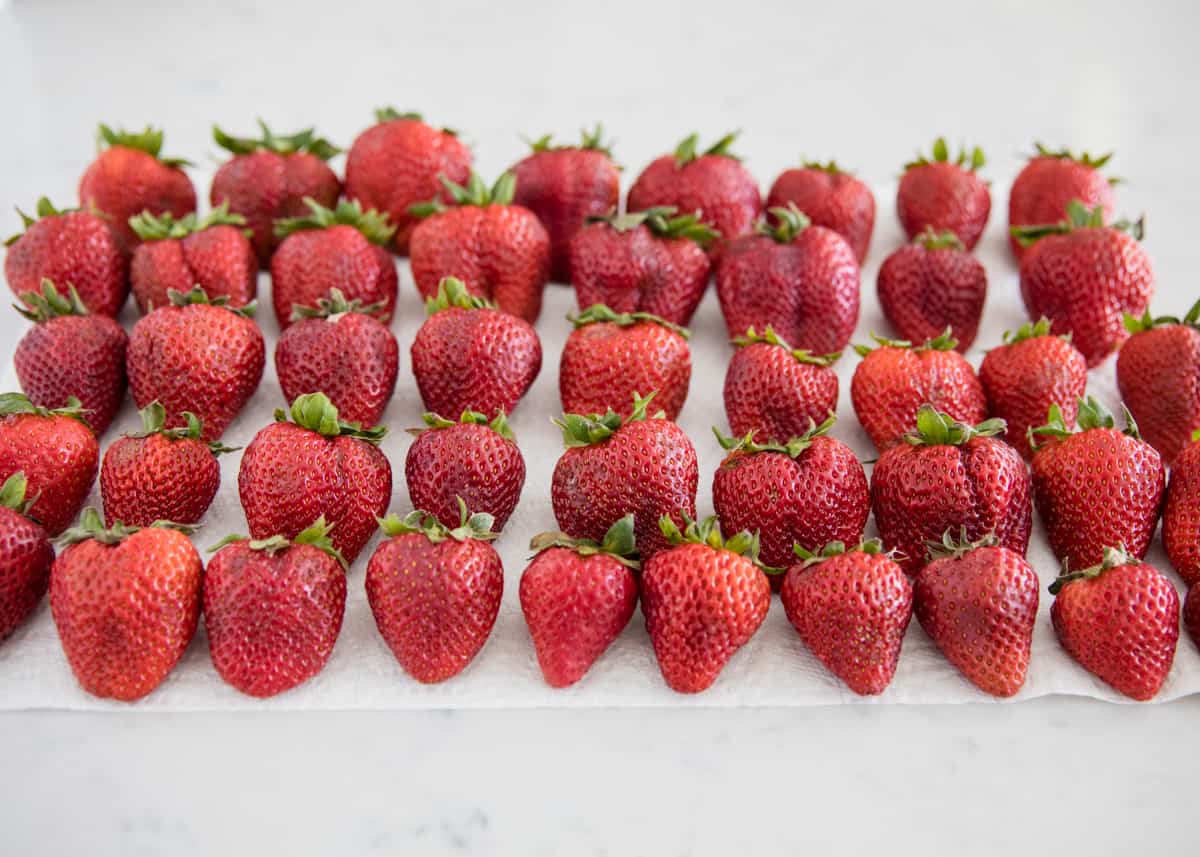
(942, 195)
(25, 557)
(1049, 181)
(1181, 514)
(830, 197)
(1191, 613)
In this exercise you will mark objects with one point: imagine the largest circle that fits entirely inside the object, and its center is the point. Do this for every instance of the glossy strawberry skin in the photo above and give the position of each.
(1046, 185)
(922, 292)
(770, 392)
(219, 259)
(123, 181)
(604, 364)
(155, 478)
(464, 460)
(25, 558)
(59, 456)
(76, 248)
(835, 200)
(309, 263)
(1181, 515)
(1191, 614)
(1158, 373)
(946, 197)
(718, 187)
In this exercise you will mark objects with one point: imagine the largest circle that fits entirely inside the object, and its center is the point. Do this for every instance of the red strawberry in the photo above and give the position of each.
(71, 353)
(343, 248)
(196, 355)
(435, 592)
(396, 163)
(340, 349)
(1191, 613)
(126, 603)
(57, 453)
(469, 356)
(316, 466)
(1084, 276)
(128, 177)
(941, 195)
(564, 186)
(930, 285)
(851, 607)
(893, 381)
(71, 247)
(1049, 181)
(1181, 514)
(577, 597)
(1120, 621)
(1097, 487)
(648, 261)
(268, 179)
(273, 609)
(978, 602)
(704, 597)
(830, 197)
(499, 250)
(1031, 371)
(473, 459)
(609, 356)
(25, 557)
(642, 464)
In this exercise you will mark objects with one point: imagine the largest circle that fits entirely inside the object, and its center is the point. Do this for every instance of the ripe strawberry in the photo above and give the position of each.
(196, 355)
(940, 195)
(341, 248)
(472, 459)
(273, 608)
(577, 597)
(777, 391)
(499, 250)
(1120, 621)
(435, 591)
(893, 381)
(1031, 371)
(55, 450)
(25, 557)
(1084, 276)
(704, 597)
(1191, 613)
(800, 279)
(128, 177)
(978, 602)
(71, 353)
(564, 186)
(851, 607)
(71, 247)
(1049, 181)
(396, 163)
(830, 197)
(930, 285)
(267, 179)
(1097, 487)
(609, 356)
(613, 466)
(1181, 514)
(126, 602)
(340, 349)
(648, 261)
(469, 356)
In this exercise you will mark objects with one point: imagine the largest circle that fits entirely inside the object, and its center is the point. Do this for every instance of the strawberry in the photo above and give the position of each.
(1191, 613)
(316, 465)
(340, 349)
(1097, 487)
(128, 177)
(930, 285)
(577, 596)
(472, 459)
(1120, 621)
(469, 356)
(1031, 371)
(643, 464)
(895, 379)
(1049, 181)
(564, 186)
(499, 250)
(435, 591)
(55, 450)
(950, 475)
(25, 557)
(704, 597)
(610, 355)
(940, 195)
(268, 178)
(342, 248)
(69, 352)
(273, 608)
(648, 261)
(978, 602)
(830, 197)
(800, 279)
(851, 607)
(1084, 276)
(198, 355)
(126, 602)
(777, 391)
(1181, 514)
(72, 247)
(397, 162)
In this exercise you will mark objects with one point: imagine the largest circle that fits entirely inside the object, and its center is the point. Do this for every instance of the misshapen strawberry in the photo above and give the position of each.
(1049, 181)
(1181, 514)
(25, 557)
(943, 195)
(830, 197)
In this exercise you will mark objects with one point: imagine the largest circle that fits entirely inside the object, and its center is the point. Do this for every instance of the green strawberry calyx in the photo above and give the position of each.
(391, 114)
(951, 548)
(149, 140)
(664, 222)
(831, 167)
(970, 160)
(374, 225)
(1078, 216)
(16, 404)
(45, 208)
(619, 542)
(1113, 558)
(810, 557)
(1032, 330)
(1134, 324)
(935, 428)
(334, 306)
(1092, 415)
(476, 526)
(151, 227)
(687, 150)
(1086, 159)
(315, 534)
(590, 141)
(154, 420)
(770, 337)
(944, 341)
(302, 142)
(783, 223)
(197, 295)
(91, 526)
(708, 532)
(601, 314)
(50, 303)
(793, 448)
(474, 192)
(452, 293)
(589, 429)
(498, 423)
(931, 239)
(12, 493)
(314, 411)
